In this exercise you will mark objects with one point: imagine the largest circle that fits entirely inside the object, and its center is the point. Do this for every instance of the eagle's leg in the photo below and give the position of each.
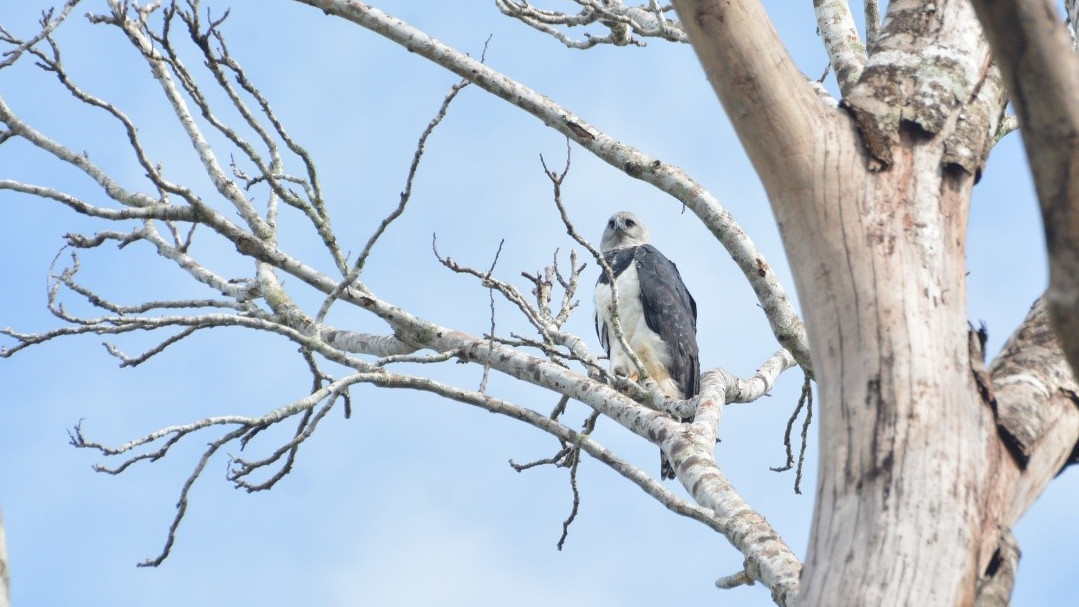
(620, 370)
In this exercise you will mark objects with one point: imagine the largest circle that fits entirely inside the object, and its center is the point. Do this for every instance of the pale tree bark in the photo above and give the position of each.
(5, 577)
(915, 483)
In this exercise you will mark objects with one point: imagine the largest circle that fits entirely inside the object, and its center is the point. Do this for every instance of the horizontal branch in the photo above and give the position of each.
(164, 212)
(625, 25)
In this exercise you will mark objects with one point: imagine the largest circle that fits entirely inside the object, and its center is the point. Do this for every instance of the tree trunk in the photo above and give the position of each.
(905, 437)
(916, 484)
(5, 579)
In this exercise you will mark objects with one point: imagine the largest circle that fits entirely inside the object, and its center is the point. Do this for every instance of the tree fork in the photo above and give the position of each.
(907, 444)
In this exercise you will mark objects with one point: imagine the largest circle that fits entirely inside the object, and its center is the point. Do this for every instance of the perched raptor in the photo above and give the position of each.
(656, 313)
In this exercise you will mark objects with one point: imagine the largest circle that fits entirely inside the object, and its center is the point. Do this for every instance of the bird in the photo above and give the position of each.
(656, 313)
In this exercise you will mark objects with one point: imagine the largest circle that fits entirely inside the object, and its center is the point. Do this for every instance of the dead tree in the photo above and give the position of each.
(931, 453)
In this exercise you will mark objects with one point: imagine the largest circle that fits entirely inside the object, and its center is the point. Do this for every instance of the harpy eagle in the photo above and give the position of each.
(656, 313)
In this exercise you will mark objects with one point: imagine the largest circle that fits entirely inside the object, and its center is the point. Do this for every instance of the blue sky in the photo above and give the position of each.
(411, 502)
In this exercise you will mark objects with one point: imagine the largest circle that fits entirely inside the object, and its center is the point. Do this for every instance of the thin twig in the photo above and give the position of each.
(576, 502)
(735, 580)
(406, 195)
(805, 400)
(181, 504)
(48, 24)
(807, 393)
(872, 22)
(491, 334)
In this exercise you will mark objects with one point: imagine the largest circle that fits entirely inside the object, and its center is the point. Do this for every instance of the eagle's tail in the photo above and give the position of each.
(666, 470)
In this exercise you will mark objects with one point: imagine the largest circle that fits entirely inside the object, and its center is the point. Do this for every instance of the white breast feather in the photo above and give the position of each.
(648, 346)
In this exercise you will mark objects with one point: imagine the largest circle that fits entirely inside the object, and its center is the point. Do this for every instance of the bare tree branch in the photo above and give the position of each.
(1036, 399)
(733, 581)
(1071, 9)
(805, 401)
(19, 128)
(406, 195)
(837, 30)
(1042, 75)
(872, 22)
(221, 65)
(136, 28)
(1008, 125)
(625, 25)
(165, 212)
(768, 559)
(48, 24)
(569, 456)
(244, 427)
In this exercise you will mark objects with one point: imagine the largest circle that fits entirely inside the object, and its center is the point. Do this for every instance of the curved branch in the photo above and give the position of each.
(79, 161)
(690, 448)
(649, 485)
(162, 66)
(773, 109)
(1041, 71)
(1037, 403)
(165, 212)
(768, 559)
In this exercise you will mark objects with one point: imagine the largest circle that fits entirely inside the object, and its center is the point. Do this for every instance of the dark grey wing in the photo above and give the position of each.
(671, 312)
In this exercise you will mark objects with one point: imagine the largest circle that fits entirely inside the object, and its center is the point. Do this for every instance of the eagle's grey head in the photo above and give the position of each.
(623, 230)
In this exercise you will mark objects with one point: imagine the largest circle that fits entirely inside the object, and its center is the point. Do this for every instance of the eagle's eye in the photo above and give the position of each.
(630, 223)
